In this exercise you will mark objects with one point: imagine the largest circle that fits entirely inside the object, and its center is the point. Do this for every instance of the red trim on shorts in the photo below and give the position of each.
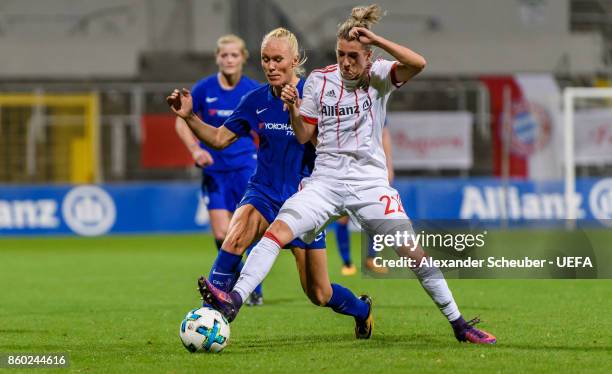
(273, 237)
(393, 75)
(338, 113)
(310, 120)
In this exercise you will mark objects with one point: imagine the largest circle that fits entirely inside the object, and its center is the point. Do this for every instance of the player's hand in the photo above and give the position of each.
(202, 158)
(291, 97)
(181, 103)
(364, 36)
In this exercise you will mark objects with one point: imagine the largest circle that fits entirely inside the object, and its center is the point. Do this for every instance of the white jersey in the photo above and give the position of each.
(350, 122)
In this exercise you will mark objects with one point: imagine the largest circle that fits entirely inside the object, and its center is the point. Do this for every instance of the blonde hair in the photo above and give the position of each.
(294, 47)
(229, 39)
(361, 16)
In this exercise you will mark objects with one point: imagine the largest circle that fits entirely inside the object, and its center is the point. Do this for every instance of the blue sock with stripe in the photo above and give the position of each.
(342, 238)
(343, 301)
(223, 272)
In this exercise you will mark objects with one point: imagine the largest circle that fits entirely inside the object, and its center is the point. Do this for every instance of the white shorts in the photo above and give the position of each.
(319, 201)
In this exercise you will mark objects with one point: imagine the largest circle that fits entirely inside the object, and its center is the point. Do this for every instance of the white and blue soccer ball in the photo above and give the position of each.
(204, 330)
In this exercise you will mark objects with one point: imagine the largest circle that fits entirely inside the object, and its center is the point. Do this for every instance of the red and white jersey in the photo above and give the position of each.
(350, 120)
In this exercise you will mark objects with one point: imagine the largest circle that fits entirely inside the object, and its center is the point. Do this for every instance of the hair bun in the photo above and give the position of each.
(367, 15)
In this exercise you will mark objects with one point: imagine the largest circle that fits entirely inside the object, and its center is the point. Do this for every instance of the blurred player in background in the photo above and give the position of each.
(226, 172)
(281, 164)
(345, 105)
(343, 238)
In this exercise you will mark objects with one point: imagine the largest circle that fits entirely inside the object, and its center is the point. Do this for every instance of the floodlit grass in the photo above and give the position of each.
(114, 304)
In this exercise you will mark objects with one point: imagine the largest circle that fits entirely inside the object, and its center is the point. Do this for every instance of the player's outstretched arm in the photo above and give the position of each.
(303, 131)
(181, 104)
(200, 156)
(410, 62)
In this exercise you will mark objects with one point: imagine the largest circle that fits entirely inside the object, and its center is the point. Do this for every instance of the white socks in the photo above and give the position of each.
(433, 282)
(257, 266)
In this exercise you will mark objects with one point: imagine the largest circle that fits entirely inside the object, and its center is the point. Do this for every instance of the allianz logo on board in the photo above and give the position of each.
(87, 210)
(488, 203)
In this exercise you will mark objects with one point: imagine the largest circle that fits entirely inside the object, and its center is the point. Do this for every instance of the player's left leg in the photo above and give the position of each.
(380, 211)
(312, 267)
(256, 297)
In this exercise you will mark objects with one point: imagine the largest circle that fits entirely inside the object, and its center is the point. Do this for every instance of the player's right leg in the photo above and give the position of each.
(256, 268)
(246, 226)
(380, 211)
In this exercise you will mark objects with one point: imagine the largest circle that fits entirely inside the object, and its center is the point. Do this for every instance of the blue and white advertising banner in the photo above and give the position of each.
(89, 210)
(518, 201)
(96, 210)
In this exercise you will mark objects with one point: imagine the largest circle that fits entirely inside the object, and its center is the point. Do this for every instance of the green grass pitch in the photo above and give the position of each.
(115, 304)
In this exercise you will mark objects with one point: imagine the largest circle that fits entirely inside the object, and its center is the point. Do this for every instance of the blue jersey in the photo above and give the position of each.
(282, 161)
(214, 104)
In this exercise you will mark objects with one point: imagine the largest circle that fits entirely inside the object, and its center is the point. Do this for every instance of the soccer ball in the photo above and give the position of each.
(204, 330)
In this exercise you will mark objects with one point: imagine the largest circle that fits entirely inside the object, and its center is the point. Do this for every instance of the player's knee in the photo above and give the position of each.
(281, 231)
(234, 245)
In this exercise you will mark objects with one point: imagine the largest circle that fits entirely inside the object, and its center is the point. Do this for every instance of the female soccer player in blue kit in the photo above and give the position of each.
(225, 173)
(282, 162)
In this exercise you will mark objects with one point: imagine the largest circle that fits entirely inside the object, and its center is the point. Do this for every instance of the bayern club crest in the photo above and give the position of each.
(531, 127)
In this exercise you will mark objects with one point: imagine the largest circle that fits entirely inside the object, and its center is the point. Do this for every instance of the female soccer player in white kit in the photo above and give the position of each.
(346, 103)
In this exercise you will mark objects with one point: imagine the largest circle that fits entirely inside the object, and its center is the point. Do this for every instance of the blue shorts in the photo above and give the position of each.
(269, 207)
(225, 188)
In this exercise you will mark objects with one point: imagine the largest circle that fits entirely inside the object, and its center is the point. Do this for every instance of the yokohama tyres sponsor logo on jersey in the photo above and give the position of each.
(277, 127)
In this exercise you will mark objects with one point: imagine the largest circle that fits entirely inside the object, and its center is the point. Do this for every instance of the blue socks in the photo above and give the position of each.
(343, 301)
(224, 271)
(342, 237)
